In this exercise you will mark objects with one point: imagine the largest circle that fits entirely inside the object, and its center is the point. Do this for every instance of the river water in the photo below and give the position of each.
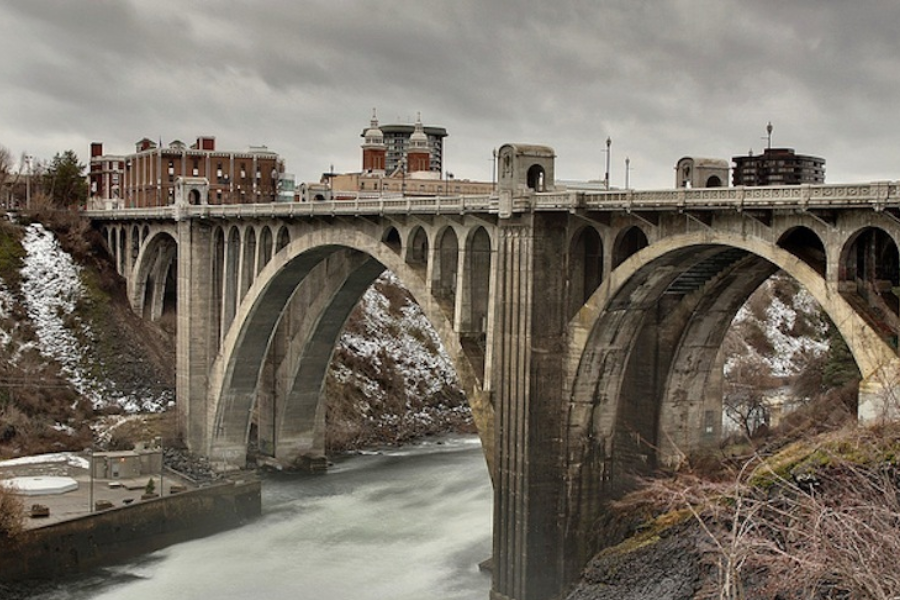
(406, 523)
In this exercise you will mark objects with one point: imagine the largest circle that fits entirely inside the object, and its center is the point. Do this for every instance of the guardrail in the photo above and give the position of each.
(876, 195)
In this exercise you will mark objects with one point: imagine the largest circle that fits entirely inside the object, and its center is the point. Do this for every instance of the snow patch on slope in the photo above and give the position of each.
(790, 352)
(51, 288)
(409, 343)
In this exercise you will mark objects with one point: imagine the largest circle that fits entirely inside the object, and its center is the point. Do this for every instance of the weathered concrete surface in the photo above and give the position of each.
(121, 533)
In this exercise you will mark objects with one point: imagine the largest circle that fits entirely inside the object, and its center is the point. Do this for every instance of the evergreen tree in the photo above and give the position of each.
(64, 181)
(840, 367)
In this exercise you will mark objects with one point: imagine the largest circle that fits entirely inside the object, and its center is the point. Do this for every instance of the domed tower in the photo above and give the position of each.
(418, 153)
(374, 149)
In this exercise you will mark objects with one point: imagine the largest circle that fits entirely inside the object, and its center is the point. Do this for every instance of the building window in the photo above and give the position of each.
(196, 169)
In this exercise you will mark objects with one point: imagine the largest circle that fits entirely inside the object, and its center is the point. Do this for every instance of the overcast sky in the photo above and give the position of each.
(662, 78)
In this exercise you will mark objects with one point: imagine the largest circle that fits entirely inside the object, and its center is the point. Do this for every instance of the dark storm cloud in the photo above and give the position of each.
(663, 79)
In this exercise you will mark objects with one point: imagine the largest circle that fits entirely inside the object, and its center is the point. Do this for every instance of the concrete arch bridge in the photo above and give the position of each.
(585, 327)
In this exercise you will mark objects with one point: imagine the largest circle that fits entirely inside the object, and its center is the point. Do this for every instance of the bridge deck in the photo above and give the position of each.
(877, 195)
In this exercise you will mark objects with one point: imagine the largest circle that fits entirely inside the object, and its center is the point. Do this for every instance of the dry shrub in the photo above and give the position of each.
(12, 515)
(819, 520)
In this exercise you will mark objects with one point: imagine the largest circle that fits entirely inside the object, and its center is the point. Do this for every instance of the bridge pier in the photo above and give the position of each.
(529, 382)
(197, 336)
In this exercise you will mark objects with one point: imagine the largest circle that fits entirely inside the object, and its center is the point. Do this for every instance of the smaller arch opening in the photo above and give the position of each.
(713, 182)
(585, 267)
(870, 279)
(265, 249)
(194, 197)
(284, 238)
(629, 242)
(535, 178)
(391, 239)
(418, 250)
(803, 243)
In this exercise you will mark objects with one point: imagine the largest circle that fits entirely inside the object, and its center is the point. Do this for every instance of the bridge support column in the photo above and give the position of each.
(528, 379)
(194, 340)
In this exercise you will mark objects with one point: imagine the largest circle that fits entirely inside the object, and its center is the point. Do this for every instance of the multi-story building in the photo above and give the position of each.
(147, 177)
(394, 141)
(777, 166)
(397, 160)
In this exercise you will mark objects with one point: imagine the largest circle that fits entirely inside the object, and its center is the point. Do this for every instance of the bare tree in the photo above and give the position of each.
(6, 169)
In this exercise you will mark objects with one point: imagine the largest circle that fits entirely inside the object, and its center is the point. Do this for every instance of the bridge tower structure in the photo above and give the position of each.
(586, 327)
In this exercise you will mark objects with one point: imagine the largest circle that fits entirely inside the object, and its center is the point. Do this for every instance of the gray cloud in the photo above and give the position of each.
(663, 79)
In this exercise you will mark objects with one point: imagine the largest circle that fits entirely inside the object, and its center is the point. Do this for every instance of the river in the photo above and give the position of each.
(405, 523)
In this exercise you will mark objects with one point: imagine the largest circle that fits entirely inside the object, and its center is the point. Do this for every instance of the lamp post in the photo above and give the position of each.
(627, 171)
(606, 177)
(403, 175)
(494, 173)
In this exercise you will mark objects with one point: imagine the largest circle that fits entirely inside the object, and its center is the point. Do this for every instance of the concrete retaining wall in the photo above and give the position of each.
(122, 533)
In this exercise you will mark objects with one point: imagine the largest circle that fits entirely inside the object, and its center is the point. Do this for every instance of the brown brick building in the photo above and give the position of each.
(147, 177)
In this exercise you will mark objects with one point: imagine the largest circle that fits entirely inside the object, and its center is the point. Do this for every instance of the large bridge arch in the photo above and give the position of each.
(665, 311)
(235, 372)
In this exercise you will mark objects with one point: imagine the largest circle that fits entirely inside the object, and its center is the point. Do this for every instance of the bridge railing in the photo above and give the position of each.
(876, 195)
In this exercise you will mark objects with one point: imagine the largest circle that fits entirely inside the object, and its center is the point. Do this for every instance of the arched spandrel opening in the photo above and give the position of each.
(476, 299)
(585, 267)
(265, 248)
(418, 248)
(135, 243)
(713, 182)
(248, 267)
(231, 274)
(870, 279)
(122, 253)
(391, 239)
(806, 245)
(629, 242)
(284, 238)
(445, 270)
(217, 289)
